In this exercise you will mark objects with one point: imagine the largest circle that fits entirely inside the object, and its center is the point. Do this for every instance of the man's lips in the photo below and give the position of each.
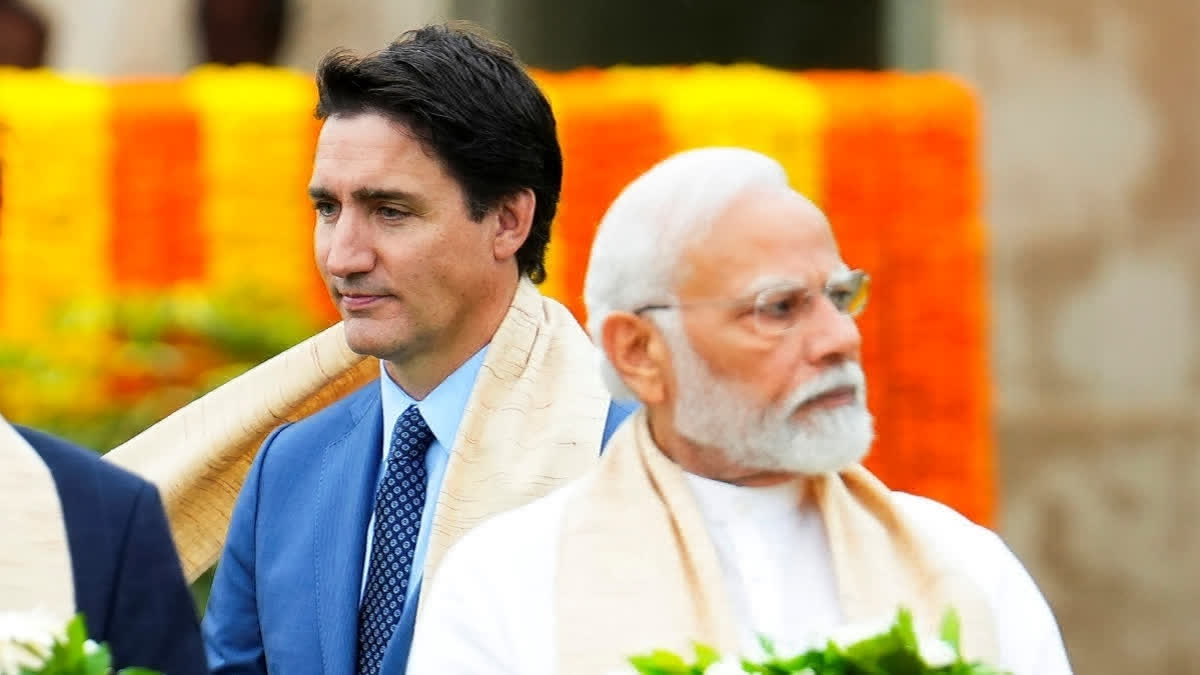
(832, 399)
(359, 301)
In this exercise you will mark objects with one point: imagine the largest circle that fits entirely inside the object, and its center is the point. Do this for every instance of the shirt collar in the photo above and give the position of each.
(720, 501)
(442, 409)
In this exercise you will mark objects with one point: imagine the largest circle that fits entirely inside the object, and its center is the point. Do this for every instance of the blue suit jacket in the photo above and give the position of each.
(128, 581)
(286, 593)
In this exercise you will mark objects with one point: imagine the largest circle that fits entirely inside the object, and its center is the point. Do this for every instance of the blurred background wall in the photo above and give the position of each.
(1092, 147)
(115, 37)
(1092, 112)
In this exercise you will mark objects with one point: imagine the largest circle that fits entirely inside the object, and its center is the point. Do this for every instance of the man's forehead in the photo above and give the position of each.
(368, 151)
(737, 271)
(367, 139)
(767, 233)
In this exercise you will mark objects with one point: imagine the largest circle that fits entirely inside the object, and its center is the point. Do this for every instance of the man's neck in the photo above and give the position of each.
(421, 374)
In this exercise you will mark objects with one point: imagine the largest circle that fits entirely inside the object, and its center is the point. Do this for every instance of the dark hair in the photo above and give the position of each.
(469, 100)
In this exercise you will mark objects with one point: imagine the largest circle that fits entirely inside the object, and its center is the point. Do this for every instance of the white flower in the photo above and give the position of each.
(934, 652)
(37, 629)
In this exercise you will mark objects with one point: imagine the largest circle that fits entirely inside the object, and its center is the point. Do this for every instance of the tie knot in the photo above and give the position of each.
(411, 437)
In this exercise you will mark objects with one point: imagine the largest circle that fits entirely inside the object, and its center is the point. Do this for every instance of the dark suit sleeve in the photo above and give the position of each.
(153, 622)
(232, 633)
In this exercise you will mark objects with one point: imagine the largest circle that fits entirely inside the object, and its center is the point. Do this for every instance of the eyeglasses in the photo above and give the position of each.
(780, 308)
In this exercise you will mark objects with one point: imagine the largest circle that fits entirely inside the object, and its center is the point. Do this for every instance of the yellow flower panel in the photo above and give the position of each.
(257, 133)
(55, 216)
(748, 106)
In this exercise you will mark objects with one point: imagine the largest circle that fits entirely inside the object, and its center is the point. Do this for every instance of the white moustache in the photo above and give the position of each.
(846, 375)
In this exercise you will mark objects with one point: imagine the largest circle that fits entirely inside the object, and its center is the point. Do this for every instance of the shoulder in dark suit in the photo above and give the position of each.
(128, 581)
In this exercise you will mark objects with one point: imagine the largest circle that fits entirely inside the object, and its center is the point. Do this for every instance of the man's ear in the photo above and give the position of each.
(636, 351)
(514, 217)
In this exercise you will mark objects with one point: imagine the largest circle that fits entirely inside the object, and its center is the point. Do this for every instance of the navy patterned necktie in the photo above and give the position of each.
(398, 507)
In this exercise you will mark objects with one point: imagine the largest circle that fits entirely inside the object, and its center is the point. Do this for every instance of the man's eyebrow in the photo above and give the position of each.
(363, 194)
(382, 194)
(320, 194)
(840, 272)
(766, 282)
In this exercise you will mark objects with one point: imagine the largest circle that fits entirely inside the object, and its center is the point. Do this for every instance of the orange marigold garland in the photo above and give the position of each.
(157, 239)
(938, 408)
(857, 162)
(606, 144)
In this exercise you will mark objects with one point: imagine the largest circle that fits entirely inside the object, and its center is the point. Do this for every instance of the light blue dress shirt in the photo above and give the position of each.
(443, 411)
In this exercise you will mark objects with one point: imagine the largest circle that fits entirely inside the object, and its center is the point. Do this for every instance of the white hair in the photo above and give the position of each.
(637, 253)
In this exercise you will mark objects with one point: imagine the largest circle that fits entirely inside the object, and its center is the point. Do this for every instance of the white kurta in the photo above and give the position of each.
(491, 607)
(775, 559)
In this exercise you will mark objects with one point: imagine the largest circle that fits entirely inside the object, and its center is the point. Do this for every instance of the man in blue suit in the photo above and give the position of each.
(127, 578)
(436, 177)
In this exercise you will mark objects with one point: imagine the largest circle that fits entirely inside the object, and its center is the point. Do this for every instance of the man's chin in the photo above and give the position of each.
(836, 463)
(814, 453)
(362, 338)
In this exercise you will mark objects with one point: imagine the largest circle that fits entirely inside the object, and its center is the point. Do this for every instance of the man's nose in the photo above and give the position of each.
(833, 336)
(351, 248)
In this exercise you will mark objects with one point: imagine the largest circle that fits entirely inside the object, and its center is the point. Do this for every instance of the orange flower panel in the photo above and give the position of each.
(606, 145)
(156, 239)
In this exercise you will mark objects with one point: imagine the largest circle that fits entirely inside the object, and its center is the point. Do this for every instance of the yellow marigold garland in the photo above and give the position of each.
(257, 134)
(55, 150)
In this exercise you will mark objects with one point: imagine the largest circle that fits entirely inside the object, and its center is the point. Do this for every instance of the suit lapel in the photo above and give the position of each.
(349, 471)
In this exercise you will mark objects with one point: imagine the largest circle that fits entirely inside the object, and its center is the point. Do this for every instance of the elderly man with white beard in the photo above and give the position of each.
(733, 503)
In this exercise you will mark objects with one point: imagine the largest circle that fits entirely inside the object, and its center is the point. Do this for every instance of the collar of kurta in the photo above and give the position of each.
(35, 557)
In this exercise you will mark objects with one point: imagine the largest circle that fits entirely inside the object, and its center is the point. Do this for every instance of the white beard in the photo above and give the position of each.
(712, 411)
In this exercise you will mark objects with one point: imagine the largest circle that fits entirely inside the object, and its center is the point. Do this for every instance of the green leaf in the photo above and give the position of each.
(768, 645)
(98, 662)
(895, 651)
(705, 657)
(76, 633)
(661, 662)
(904, 630)
(751, 667)
(951, 632)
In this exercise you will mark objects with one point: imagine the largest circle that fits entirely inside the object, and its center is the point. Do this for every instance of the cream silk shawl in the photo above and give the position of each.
(35, 558)
(534, 419)
(637, 570)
